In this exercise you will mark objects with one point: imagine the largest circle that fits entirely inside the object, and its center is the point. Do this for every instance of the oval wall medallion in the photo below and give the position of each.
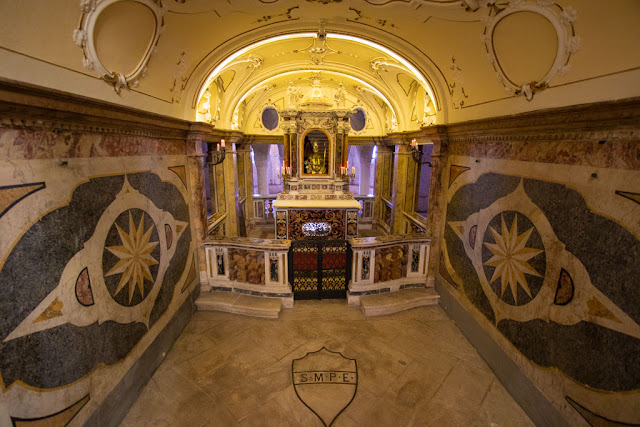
(85, 37)
(562, 20)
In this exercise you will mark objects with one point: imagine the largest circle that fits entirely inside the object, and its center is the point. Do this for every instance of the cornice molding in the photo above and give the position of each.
(608, 120)
(30, 107)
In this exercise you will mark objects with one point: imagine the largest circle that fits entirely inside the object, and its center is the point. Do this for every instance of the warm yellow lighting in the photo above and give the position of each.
(287, 73)
(392, 54)
(416, 74)
(244, 50)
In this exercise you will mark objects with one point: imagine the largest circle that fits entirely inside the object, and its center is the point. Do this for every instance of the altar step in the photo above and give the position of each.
(232, 302)
(393, 302)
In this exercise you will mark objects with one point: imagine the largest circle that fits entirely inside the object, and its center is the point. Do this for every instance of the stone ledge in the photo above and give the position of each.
(393, 302)
(232, 302)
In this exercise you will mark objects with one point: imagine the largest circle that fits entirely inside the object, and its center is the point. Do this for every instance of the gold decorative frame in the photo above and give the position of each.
(329, 165)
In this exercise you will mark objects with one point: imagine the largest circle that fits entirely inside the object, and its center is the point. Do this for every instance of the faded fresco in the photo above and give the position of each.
(553, 267)
(96, 257)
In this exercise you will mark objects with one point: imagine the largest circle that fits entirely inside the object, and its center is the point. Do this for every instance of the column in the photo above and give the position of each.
(365, 161)
(261, 153)
(377, 201)
(231, 189)
(287, 148)
(399, 188)
(435, 216)
(198, 211)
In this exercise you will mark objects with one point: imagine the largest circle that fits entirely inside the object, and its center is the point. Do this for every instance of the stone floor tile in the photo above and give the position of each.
(464, 387)
(187, 346)
(278, 338)
(414, 368)
(499, 408)
(268, 415)
(386, 356)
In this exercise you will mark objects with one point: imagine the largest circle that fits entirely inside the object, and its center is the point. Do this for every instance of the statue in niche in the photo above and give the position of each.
(292, 93)
(316, 163)
(316, 151)
(339, 97)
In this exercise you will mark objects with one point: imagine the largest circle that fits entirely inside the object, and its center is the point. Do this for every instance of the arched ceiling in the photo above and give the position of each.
(385, 85)
(479, 58)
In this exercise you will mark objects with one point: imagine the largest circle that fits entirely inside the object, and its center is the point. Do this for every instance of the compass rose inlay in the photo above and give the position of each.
(134, 246)
(515, 259)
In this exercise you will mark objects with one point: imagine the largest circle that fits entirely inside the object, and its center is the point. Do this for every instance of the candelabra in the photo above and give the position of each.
(345, 175)
(284, 175)
(417, 154)
(216, 157)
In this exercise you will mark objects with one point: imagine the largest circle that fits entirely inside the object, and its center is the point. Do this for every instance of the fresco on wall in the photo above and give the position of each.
(86, 281)
(556, 277)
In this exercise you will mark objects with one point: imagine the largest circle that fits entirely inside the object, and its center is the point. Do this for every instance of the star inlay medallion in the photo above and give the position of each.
(510, 256)
(134, 257)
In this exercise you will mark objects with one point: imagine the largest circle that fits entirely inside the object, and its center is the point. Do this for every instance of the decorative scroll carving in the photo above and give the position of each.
(562, 20)
(84, 38)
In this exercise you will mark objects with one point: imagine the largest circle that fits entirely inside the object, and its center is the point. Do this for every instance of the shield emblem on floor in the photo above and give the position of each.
(326, 382)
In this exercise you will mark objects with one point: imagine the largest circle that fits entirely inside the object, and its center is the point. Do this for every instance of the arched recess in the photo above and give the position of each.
(425, 70)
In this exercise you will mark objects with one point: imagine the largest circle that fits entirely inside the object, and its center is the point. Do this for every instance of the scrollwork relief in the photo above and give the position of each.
(562, 19)
(84, 38)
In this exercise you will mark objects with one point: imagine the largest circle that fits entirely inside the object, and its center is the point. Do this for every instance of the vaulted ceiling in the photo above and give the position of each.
(406, 63)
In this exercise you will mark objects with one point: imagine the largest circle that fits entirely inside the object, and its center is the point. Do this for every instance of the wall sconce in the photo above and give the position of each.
(216, 157)
(417, 154)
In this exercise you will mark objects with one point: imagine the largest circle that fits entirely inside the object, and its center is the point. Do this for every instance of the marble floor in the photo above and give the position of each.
(414, 368)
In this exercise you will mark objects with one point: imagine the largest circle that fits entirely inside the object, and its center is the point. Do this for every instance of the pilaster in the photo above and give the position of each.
(399, 188)
(435, 218)
(196, 156)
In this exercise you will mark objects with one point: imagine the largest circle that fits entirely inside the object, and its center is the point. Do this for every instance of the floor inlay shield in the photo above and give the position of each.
(326, 382)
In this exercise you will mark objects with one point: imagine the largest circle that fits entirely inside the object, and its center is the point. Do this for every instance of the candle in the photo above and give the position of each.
(353, 170)
(222, 143)
(217, 147)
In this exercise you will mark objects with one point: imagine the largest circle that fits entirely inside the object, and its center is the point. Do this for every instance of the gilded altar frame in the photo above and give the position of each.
(303, 154)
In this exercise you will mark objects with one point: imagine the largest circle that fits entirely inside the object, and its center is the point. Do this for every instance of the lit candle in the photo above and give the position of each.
(222, 143)
(217, 147)
(353, 170)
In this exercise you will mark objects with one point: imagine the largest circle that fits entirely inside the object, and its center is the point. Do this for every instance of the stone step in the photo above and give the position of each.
(393, 302)
(232, 302)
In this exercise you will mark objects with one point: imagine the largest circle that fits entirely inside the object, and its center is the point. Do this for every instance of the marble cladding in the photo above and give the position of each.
(20, 144)
(571, 198)
(81, 211)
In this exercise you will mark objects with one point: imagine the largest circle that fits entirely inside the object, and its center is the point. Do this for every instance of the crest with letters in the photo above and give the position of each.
(326, 382)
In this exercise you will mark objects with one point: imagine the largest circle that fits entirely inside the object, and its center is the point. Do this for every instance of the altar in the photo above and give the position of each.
(315, 201)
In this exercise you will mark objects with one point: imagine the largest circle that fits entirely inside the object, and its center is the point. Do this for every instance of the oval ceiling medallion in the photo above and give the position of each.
(520, 12)
(100, 26)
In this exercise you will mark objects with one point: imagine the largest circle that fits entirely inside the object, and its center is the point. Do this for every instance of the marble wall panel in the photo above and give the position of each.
(545, 254)
(391, 263)
(97, 255)
(246, 266)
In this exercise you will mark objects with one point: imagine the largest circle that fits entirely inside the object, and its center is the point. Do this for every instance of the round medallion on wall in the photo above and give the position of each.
(513, 257)
(131, 257)
(270, 118)
(358, 120)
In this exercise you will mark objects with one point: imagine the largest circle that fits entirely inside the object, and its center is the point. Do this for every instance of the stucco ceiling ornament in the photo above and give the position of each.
(562, 19)
(84, 38)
